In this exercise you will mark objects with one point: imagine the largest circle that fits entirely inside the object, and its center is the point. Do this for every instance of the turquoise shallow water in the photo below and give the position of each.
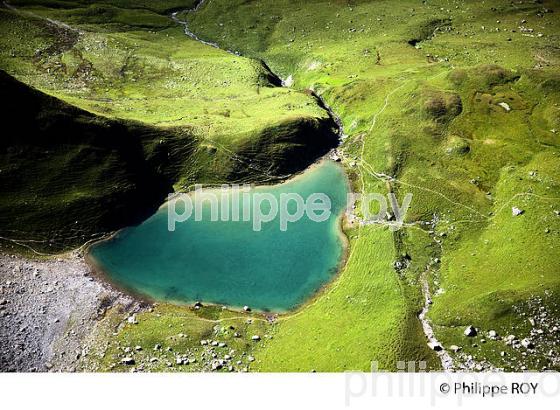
(228, 262)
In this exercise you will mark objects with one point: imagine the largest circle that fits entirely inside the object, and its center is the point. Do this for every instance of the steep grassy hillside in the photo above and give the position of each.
(68, 175)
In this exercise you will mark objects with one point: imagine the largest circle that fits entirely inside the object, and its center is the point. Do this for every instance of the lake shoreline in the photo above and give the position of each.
(101, 275)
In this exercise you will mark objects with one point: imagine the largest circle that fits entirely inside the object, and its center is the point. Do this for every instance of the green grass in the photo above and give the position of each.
(179, 332)
(361, 320)
(427, 114)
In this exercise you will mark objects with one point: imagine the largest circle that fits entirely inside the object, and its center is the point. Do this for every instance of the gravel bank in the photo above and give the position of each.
(48, 308)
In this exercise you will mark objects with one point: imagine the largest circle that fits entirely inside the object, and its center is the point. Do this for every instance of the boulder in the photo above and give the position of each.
(470, 331)
(129, 361)
(527, 344)
(505, 106)
(455, 348)
(510, 339)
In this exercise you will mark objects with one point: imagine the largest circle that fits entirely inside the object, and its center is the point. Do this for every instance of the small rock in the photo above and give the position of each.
(246, 308)
(436, 347)
(492, 334)
(516, 211)
(511, 340)
(470, 331)
(505, 106)
(129, 361)
(455, 348)
(256, 338)
(527, 344)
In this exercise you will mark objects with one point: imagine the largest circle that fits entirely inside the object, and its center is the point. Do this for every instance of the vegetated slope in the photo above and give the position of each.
(458, 103)
(152, 118)
(68, 175)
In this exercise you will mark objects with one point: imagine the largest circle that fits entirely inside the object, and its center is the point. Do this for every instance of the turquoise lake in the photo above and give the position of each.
(228, 262)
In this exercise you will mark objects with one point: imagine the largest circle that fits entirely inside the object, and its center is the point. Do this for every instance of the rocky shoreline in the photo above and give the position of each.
(48, 310)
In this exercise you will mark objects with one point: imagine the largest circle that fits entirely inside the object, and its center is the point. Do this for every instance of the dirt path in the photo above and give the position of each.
(56, 23)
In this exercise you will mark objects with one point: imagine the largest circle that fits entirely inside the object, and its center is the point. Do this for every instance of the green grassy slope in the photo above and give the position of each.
(67, 175)
(418, 87)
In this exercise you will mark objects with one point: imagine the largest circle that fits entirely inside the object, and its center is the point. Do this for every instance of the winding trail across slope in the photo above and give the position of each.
(55, 23)
(444, 356)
